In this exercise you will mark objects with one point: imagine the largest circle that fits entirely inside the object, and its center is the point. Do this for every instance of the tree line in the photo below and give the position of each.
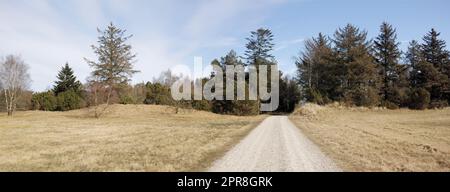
(109, 81)
(351, 69)
(348, 68)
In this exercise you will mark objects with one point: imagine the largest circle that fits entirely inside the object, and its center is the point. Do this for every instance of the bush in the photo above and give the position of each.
(367, 97)
(245, 107)
(45, 101)
(126, 100)
(315, 96)
(203, 105)
(68, 100)
(419, 99)
(158, 94)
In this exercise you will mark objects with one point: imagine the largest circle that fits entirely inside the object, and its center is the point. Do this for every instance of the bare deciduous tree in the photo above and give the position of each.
(14, 79)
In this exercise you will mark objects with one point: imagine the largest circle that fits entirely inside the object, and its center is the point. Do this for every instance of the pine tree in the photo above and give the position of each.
(387, 55)
(226, 106)
(66, 81)
(114, 65)
(236, 107)
(259, 47)
(356, 71)
(314, 69)
(289, 94)
(433, 50)
(413, 58)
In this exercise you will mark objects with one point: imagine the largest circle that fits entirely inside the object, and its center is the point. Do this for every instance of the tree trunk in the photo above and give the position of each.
(12, 100)
(98, 114)
(6, 103)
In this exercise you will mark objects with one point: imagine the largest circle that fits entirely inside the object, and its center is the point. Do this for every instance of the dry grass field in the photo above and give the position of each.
(361, 139)
(128, 138)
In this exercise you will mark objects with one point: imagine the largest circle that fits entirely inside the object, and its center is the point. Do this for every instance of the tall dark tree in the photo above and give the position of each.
(413, 57)
(259, 47)
(66, 81)
(114, 64)
(387, 55)
(356, 69)
(433, 50)
(225, 106)
(237, 107)
(314, 69)
(258, 52)
(290, 94)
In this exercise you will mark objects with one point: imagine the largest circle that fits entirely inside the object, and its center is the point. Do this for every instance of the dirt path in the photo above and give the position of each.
(275, 145)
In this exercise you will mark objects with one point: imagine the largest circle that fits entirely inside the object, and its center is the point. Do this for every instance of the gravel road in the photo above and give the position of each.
(275, 145)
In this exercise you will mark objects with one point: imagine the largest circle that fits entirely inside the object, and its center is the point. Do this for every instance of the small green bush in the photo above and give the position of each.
(68, 100)
(126, 100)
(203, 105)
(45, 101)
(158, 94)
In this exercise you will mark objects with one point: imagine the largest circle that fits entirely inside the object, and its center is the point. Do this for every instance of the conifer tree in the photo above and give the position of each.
(114, 65)
(413, 58)
(387, 55)
(433, 51)
(356, 70)
(315, 69)
(66, 81)
(259, 47)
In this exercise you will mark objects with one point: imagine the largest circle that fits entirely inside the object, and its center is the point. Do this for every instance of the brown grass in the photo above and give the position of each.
(360, 139)
(128, 138)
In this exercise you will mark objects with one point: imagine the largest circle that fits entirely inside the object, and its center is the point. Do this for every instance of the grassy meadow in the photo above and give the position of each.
(361, 139)
(127, 138)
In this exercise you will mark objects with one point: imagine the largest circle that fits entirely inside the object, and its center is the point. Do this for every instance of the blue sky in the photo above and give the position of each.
(171, 32)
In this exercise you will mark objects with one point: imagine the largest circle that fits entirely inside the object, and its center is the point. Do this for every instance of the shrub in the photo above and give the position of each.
(203, 105)
(45, 101)
(367, 97)
(68, 100)
(126, 100)
(315, 96)
(158, 94)
(245, 107)
(419, 99)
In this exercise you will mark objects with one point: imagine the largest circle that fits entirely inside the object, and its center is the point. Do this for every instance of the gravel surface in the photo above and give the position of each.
(275, 145)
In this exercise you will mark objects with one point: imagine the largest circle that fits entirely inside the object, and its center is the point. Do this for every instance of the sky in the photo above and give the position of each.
(49, 33)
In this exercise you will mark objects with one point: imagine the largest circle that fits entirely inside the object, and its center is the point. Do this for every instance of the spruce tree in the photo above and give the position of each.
(433, 50)
(114, 65)
(258, 52)
(66, 81)
(387, 55)
(413, 58)
(315, 69)
(259, 47)
(356, 70)
(236, 107)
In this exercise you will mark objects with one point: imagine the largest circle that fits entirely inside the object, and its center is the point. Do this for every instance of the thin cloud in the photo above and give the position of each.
(166, 33)
(286, 44)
